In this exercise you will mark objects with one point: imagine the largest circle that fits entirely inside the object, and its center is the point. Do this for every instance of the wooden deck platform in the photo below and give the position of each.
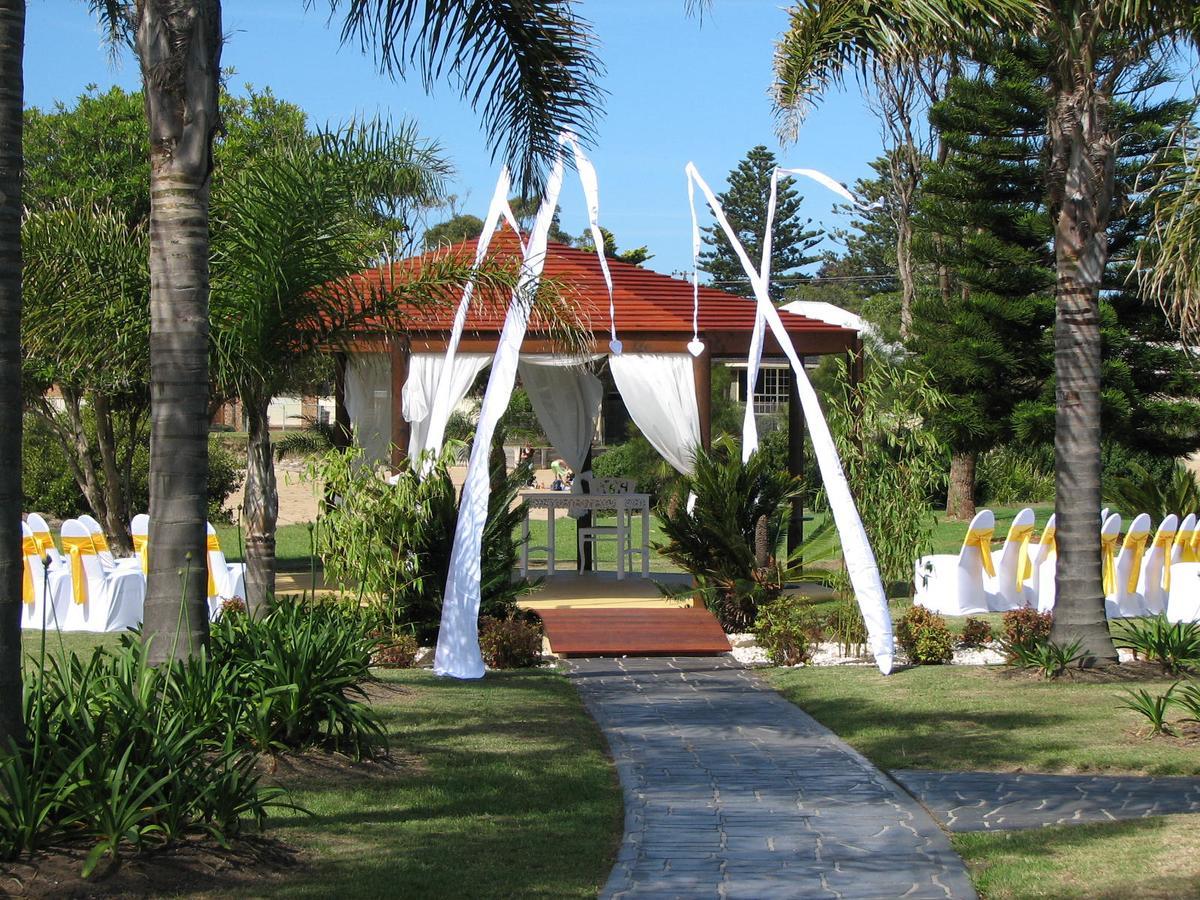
(633, 632)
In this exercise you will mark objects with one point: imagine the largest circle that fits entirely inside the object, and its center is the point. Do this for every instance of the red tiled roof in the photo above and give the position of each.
(645, 301)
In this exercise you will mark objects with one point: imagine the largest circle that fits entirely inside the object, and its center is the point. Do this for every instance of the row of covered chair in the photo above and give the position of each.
(1143, 576)
(83, 587)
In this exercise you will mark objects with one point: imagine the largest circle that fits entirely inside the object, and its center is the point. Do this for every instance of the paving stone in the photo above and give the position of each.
(988, 801)
(732, 791)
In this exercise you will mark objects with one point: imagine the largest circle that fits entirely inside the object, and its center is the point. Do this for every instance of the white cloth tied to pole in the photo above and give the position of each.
(425, 377)
(659, 390)
(566, 395)
(856, 548)
(369, 404)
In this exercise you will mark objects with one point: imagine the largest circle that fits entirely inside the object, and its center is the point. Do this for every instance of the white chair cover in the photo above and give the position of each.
(111, 601)
(107, 560)
(1155, 579)
(1045, 556)
(228, 578)
(1125, 599)
(41, 533)
(1184, 548)
(1183, 600)
(139, 528)
(1010, 589)
(952, 584)
(659, 390)
(36, 612)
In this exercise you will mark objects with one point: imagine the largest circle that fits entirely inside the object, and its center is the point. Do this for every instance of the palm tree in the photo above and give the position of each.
(288, 230)
(529, 68)
(12, 47)
(1096, 49)
(1172, 255)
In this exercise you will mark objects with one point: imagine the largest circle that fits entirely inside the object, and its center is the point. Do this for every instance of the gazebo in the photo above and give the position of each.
(385, 381)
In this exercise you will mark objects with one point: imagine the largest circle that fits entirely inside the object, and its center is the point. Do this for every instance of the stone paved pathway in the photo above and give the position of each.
(732, 791)
(989, 801)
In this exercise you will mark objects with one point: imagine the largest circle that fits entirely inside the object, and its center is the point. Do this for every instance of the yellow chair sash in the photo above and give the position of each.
(1049, 538)
(141, 546)
(1136, 542)
(1165, 540)
(99, 542)
(1023, 534)
(29, 547)
(214, 546)
(76, 549)
(982, 538)
(1186, 542)
(44, 542)
(1108, 558)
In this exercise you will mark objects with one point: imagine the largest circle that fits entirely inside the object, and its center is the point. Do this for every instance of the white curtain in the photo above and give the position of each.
(369, 404)
(659, 390)
(421, 392)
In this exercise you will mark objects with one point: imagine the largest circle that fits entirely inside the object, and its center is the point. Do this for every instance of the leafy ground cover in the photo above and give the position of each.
(1148, 858)
(990, 719)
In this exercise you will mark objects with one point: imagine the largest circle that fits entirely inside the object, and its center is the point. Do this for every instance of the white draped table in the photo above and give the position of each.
(618, 503)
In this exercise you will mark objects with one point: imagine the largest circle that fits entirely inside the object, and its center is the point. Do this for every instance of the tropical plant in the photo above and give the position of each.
(924, 637)
(1176, 645)
(1144, 491)
(532, 70)
(1187, 696)
(12, 48)
(846, 627)
(1153, 706)
(824, 41)
(785, 628)
(391, 543)
(1048, 658)
(1170, 253)
(891, 460)
(729, 538)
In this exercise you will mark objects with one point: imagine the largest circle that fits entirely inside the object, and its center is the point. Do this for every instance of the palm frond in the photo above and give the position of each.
(529, 66)
(1170, 256)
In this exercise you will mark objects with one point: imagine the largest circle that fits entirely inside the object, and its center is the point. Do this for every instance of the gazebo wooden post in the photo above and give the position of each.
(585, 563)
(795, 535)
(342, 433)
(401, 431)
(702, 372)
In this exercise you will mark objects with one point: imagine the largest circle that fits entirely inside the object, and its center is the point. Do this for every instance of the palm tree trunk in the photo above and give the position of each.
(116, 503)
(179, 48)
(261, 507)
(960, 493)
(12, 47)
(1079, 143)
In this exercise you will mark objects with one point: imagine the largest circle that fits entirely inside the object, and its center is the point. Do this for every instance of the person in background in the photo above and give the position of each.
(562, 476)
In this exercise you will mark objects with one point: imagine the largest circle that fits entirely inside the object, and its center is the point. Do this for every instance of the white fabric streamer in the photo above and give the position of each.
(856, 549)
(457, 653)
(659, 390)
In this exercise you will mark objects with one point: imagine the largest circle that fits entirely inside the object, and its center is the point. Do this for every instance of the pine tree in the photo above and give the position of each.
(745, 204)
(980, 331)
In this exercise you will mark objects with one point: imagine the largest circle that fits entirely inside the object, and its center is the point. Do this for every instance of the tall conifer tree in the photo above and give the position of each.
(745, 204)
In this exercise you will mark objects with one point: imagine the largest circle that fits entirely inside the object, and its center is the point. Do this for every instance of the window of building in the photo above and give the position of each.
(772, 393)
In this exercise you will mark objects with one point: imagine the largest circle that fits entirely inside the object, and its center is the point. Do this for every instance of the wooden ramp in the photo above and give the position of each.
(633, 632)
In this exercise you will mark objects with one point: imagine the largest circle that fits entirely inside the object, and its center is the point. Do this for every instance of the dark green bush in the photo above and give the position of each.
(785, 629)
(514, 643)
(1176, 645)
(1143, 489)
(1009, 476)
(728, 542)
(638, 460)
(976, 633)
(925, 637)
(1025, 629)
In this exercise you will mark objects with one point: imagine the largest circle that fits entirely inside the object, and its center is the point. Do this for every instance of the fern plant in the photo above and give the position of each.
(728, 540)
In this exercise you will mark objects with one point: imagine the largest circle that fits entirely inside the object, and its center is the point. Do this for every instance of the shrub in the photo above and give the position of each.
(127, 756)
(784, 629)
(925, 637)
(729, 539)
(976, 633)
(514, 643)
(395, 651)
(638, 460)
(392, 543)
(1176, 645)
(300, 670)
(846, 627)
(1013, 475)
(1024, 629)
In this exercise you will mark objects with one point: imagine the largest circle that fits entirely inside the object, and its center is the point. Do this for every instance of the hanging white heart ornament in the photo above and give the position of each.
(615, 346)
(695, 347)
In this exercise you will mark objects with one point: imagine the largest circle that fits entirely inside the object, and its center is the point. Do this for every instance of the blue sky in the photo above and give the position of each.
(677, 90)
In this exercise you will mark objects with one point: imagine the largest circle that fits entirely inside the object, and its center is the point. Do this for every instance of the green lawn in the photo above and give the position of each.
(1151, 859)
(565, 544)
(994, 719)
(503, 789)
(293, 546)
